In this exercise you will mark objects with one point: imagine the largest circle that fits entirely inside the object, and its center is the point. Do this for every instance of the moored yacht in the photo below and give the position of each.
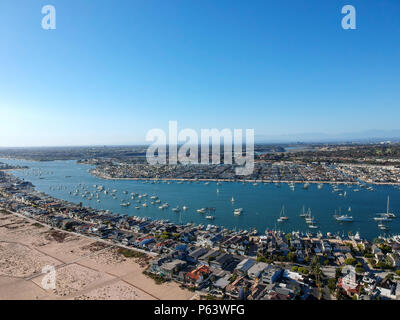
(282, 217)
(388, 214)
(344, 218)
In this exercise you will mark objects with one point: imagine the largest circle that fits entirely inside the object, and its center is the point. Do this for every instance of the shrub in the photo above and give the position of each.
(350, 261)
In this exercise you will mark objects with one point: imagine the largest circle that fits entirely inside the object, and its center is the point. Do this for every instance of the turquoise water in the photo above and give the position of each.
(261, 203)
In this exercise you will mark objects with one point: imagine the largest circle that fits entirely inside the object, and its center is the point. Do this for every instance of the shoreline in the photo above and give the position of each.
(106, 177)
(239, 181)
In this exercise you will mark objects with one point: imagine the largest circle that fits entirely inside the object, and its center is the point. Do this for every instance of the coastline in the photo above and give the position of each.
(105, 177)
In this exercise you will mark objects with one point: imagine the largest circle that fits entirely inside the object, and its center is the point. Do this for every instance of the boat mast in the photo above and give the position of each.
(387, 206)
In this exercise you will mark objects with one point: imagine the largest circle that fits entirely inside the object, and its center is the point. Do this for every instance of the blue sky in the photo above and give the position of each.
(112, 70)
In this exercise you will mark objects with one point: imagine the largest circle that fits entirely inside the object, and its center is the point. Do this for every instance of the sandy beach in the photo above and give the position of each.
(86, 269)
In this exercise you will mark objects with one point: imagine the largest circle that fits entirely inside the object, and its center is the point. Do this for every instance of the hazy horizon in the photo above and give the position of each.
(361, 137)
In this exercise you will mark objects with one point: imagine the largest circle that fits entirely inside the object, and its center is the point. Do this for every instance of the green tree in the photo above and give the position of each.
(332, 285)
(292, 256)
(350, 261)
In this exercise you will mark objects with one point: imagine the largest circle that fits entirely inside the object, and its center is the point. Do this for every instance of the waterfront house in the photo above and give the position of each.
(271, 274)
(243, 267)
(196, 254)
(156, 264)
(222, 261)
(349, 281)
(168, 269)
(238, 288)
(256, 270)
(198, 276)
(388, 289)
(222, 283)
(208, 257)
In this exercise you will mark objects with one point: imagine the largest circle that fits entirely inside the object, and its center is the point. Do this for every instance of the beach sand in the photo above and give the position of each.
(85, 269)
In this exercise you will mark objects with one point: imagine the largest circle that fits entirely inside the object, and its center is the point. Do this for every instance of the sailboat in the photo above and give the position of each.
(385, 216)
(233, 199)
(282, 217)
(343, 217)
(309, 218)
(303, 214)
(389, 214)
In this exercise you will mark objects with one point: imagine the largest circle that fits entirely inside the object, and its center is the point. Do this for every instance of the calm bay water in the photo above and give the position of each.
(262, 204)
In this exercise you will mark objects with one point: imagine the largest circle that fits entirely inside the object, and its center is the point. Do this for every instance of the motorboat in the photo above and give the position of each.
(344, 218)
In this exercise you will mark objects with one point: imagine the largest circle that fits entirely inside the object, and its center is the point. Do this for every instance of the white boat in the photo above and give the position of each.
(238, 211)
(382, 226)
(184, 208)
(202, 210)
(210, 217)
(176, 209)
(381, 218)
(232, 200)
(303, 214)
(344, 218)
(388, 214)
(309, 218)
(282, 217)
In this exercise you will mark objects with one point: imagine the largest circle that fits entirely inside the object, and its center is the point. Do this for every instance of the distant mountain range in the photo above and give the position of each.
(363, 136)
